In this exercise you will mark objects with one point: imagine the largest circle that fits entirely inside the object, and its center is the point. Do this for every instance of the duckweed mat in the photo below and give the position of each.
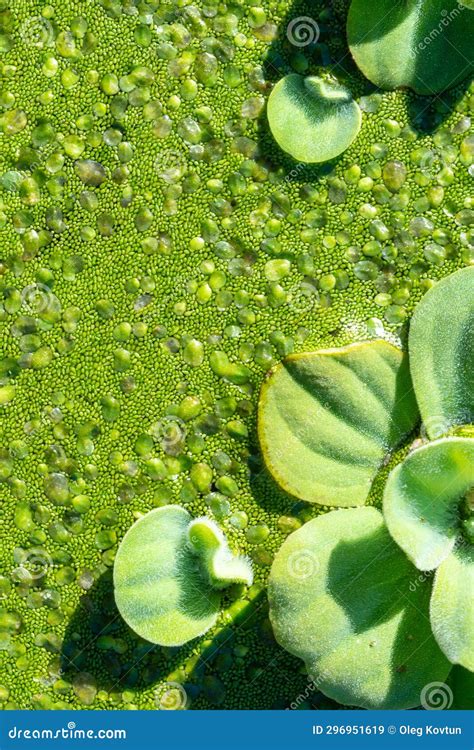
(159, 254)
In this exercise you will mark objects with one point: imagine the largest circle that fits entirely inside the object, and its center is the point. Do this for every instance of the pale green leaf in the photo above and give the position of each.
(422, 499)
(327, 420)
(345, 599)
(452, 607)
(312, 119)
(159, 589)
(441, 345)
(168, 572)
(221, 565)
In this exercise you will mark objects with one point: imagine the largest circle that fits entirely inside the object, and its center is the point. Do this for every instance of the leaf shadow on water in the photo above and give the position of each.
(329, 53)
(100, 650)
(99, 642)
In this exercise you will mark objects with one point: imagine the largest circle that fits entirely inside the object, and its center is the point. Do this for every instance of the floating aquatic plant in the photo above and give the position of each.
(168, 573)
(158, 257)
(425, 45)
(328, 419)
(345, 592)
(313, 119)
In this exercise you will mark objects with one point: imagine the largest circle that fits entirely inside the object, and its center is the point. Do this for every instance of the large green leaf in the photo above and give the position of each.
(452, 607)
(441, 345)
(422, 499)
(312, 119)
(425, 45)
(345, 599)
(166, 573)
(328, 419)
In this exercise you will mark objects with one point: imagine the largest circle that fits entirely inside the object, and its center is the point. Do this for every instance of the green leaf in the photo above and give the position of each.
(346, 600)
(461, 682)
(312, 119)
(166, 573)
(328, 419)
(222, 566)
(441, 345)
(159, 590)
(452, 607)
(425, 45)
(422, 498)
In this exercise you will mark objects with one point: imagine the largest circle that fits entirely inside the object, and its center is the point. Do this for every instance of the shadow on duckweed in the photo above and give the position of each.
(100, 652)
(99, 642)
(325, 50)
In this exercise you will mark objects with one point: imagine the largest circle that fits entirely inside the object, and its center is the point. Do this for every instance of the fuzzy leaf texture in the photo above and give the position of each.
(341, 600)
(425, 45)
(441, 346)
(327, 419)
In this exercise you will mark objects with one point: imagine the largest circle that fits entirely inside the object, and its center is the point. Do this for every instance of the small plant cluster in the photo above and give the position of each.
(327, 420)
(341, 587)
(423, 45)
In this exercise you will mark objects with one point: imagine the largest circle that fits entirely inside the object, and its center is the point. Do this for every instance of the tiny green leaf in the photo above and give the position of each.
(452, 607)
(425, 45)
(441, 345)
(166, 574)
(422, 499)
(327, 420)
(345, 599)
(313, 119)
(222, 566)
